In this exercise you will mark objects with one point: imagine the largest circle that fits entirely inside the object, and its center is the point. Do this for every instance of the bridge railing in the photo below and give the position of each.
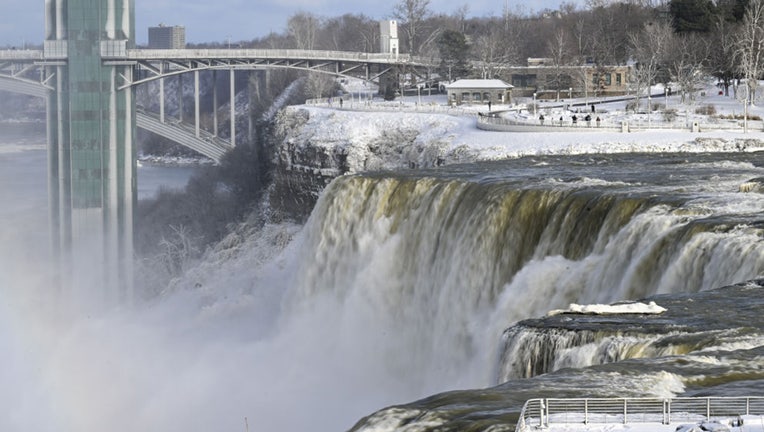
(20, 55)
(179, 54)
(541, 413)
(621, 125)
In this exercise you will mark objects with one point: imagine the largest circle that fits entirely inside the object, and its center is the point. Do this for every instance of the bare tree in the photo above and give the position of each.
(177, 250)
(413, 14)
(492, 52)
(303, 27)
(319, 84)
(648, 48)
(349, 32)
(687, 60)
(609, 24)
(722, 57)
(559, 51)
(749, 54)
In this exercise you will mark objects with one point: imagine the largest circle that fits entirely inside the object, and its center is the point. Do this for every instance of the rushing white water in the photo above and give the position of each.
(395, 289)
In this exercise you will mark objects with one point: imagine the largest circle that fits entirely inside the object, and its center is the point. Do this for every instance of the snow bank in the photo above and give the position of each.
(620, 308)
(358, 140)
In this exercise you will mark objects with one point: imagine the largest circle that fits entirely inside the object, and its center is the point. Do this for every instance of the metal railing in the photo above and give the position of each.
(239, 53)
(20, 54)
(390, 106)
(632, 125)
(539, 413)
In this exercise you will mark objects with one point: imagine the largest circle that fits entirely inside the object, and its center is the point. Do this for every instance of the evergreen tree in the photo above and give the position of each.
(453, 49)
(692, 15)
(732, 10)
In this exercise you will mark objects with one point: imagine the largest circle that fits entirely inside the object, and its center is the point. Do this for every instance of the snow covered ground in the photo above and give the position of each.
(454, 130)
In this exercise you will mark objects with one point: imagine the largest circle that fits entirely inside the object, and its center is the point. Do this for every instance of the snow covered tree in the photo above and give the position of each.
(749, 54)
(319, 85)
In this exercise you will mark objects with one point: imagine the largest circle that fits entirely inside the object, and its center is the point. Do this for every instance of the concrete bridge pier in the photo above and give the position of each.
(215, 103)
(233, 105)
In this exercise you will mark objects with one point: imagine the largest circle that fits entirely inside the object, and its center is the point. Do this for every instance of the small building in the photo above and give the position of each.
(479, 91)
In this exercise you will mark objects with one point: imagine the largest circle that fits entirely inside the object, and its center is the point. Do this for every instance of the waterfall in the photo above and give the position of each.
(534, 351)
(441, 267)
(399, 286)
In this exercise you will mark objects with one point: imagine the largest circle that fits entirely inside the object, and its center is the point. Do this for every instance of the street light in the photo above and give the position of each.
(745, 108)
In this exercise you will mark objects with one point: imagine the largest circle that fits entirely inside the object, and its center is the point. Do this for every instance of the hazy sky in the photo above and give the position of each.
(21, 21)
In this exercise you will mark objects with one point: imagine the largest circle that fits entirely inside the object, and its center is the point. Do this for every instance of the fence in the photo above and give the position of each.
(632, 125)
(360, 104)
(543, 412)
(500, 124)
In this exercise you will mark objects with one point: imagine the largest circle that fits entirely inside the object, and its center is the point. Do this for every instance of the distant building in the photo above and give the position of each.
(546, 80)
(479, 91)
(167, 37)
(388, 41)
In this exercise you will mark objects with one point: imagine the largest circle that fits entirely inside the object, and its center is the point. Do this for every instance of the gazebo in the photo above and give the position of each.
(479, 91)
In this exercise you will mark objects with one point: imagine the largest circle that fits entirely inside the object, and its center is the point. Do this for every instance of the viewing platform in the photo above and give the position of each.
(711, 414)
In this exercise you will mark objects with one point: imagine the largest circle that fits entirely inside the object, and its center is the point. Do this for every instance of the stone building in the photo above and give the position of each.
(479, 91)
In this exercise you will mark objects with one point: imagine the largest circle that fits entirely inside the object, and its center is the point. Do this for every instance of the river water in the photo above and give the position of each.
(406, 285)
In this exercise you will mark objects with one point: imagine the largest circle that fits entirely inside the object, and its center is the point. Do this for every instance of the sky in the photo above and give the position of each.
(21, 21)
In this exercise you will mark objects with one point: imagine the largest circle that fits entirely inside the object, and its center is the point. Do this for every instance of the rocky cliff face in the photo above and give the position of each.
(312, 146)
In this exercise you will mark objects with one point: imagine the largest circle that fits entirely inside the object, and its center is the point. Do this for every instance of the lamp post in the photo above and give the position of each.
(745, 108)
(534, 104)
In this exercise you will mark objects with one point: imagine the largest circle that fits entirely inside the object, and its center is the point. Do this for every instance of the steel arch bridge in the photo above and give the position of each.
(88, 73)
(24, 72)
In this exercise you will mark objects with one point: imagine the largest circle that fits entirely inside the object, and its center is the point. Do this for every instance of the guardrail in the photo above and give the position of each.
(390, 106)
(632, 125)
(541, 413)
(244, 53)
(20, 54)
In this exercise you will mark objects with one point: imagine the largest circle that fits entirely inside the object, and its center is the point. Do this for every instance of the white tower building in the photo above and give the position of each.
(388, 40)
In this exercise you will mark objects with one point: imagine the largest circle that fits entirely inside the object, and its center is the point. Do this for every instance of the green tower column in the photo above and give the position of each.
(92, 163)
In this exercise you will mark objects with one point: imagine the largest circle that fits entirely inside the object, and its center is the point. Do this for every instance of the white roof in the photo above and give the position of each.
(479, 83)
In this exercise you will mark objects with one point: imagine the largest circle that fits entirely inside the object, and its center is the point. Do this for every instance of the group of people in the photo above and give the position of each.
(574, 119)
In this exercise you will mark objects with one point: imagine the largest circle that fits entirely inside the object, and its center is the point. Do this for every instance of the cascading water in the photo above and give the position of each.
(401, 285)
(441, 266)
